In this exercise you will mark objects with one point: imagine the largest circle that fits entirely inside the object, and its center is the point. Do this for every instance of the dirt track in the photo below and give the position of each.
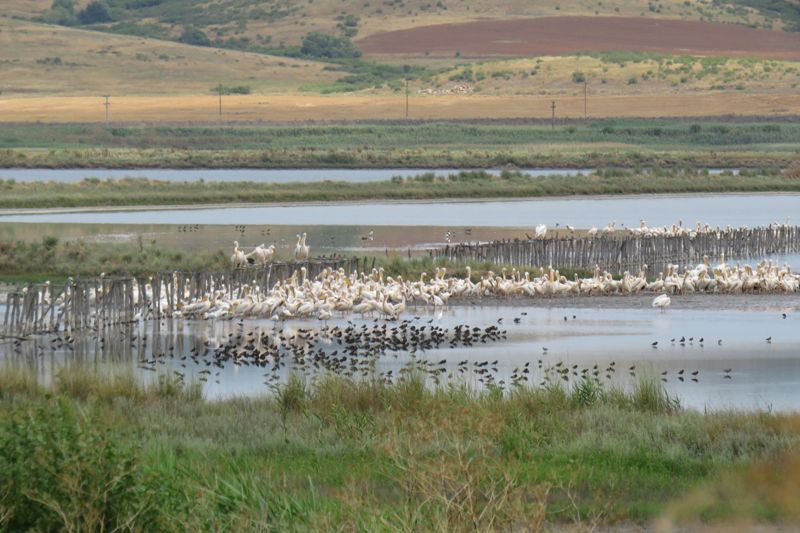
(561, 35)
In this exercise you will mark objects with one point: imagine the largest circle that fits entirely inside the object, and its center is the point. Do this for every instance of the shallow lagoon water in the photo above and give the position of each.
(619, 330)
(580, 212)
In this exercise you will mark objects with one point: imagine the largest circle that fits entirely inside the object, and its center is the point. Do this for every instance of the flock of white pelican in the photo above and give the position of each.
(262, 255)
(334, 292)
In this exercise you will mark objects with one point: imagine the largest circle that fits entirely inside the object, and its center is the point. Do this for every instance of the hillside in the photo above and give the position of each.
(617, 74)
(261, 24)
(45, 59)
(54, 72)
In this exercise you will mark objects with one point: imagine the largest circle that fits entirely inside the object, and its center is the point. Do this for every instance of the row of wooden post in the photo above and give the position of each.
(104, 301)
(618, 253)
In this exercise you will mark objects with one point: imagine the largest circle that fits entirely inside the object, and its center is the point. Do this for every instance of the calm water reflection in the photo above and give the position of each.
(735, 210)
(764, 375)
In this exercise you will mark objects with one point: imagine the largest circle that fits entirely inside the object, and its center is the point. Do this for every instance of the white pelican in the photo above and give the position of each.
(661, 301)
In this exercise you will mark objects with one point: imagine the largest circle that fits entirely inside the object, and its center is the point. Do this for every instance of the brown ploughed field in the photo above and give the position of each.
(564, 35)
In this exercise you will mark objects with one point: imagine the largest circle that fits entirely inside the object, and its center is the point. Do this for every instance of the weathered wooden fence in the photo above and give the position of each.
(104, 301)
(617, 253)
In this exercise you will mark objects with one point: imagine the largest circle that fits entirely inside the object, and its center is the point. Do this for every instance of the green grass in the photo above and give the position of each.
(652, 133)
(92, 192)
(566, 156)
(599, 143)
(50, 260)
(345, 455)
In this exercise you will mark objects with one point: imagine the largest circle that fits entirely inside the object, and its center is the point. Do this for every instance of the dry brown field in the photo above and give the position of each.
(281, 107)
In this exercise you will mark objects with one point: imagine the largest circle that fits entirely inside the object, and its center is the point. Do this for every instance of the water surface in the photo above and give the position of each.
(762, 375)
(580, 212)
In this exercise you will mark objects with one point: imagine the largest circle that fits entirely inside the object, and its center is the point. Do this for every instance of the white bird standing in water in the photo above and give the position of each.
(662, 301)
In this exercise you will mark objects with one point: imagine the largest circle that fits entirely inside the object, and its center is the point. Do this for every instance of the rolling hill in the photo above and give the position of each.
(258, 24)
(463, 59)
(45, 59)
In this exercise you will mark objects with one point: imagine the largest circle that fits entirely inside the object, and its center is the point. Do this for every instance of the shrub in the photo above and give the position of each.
(67, 5)
(465, 75)
(194, 37)
(235, 89)
(322, 45)
(62, 12)
(49, 242)
(95, 13)
(578, 77)
(58, 472)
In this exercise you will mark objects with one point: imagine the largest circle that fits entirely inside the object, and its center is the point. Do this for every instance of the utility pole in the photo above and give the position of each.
(106, 104)
(585, 113)
(219, 90)
(553, 119)
(406, 98)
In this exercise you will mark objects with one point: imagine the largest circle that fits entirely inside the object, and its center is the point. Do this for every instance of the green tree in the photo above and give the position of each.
(95, 13)
(62, 12)
(322, 45)
(66, 5)
(194, 37)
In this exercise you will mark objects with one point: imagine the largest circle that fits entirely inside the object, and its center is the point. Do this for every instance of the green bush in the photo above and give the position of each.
(95, 13)
(61, 12)
(322, 45)
(235, 89)
(58, 472)
(194, 37)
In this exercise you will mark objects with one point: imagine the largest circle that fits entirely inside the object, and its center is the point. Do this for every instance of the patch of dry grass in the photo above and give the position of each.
(43, 59)
(611, 75)
(767, 491)
(306, 107)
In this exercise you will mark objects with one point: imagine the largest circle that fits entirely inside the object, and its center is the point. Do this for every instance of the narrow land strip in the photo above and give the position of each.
(283, 108)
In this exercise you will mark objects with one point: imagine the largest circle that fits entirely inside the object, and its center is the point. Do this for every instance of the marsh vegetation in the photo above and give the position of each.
(340, 454)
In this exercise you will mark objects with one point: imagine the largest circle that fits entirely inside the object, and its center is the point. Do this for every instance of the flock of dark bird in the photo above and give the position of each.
(349, 350)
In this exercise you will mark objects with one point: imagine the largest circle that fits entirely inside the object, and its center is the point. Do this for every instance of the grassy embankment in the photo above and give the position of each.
(95, 450)
(136, 192)
(52, 260)
(600, 143)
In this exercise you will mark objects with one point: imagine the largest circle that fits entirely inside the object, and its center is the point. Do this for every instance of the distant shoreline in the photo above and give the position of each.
(314, 203)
